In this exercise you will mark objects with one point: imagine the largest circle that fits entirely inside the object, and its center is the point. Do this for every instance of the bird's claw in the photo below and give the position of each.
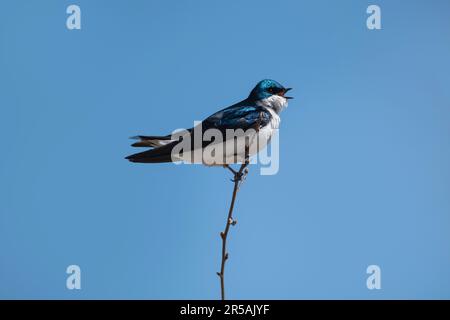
(239, 176)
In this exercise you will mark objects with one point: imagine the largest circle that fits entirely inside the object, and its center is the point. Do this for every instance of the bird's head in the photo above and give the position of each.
(270, 94)
(267, 88)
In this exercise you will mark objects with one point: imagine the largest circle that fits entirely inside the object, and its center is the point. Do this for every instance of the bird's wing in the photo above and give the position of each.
(238, 117)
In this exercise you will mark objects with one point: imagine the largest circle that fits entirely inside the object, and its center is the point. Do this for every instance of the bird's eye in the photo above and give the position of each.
(271, 90)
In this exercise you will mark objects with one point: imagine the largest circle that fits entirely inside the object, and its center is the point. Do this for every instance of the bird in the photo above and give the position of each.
(257, 116)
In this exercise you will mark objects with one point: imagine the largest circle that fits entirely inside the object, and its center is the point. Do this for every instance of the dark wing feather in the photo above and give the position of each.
(238, 117)
(156, 155)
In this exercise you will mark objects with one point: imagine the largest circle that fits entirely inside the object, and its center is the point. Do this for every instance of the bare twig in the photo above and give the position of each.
(238, 178)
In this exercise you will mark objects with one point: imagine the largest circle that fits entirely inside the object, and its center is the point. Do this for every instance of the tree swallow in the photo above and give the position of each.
(257, 114)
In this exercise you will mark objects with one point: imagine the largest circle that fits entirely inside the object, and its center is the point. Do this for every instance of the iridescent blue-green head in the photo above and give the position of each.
(267, 88)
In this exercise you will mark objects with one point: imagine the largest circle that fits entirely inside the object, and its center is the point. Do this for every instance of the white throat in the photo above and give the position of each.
(275, 102)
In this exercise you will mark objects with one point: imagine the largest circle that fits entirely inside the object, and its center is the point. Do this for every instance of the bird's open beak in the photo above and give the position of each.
(282, 93)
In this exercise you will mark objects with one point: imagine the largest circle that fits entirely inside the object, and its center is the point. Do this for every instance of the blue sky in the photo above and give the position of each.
(364, 157)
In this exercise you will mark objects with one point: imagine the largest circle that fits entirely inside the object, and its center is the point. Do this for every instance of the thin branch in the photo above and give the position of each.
(238, 178)
(234, 172)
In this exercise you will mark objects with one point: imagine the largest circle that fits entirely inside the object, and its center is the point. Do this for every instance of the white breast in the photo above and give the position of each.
(275, 122)
(276, 103)
(266, 133)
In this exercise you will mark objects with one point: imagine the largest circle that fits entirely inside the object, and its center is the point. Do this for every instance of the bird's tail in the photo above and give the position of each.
(161, 152)
(151, 141)
(157, 155)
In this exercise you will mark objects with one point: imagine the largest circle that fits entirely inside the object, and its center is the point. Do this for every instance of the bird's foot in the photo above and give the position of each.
(240, 177)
